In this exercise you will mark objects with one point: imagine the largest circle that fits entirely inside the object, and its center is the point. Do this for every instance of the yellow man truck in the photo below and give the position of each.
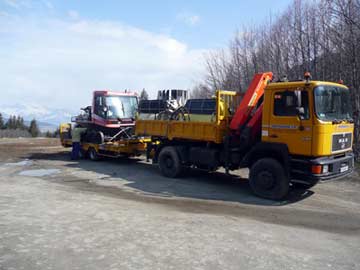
(299, 131)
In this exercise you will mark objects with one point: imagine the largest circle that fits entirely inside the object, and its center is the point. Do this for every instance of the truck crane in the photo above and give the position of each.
(284, 132)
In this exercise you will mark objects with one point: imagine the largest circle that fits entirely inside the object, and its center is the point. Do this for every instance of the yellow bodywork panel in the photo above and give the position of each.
(198, 131)
(152, 127)
(286, 129)
(121, 147)
(65, 134)
(199, 128)
(322, 137)
(306, 137)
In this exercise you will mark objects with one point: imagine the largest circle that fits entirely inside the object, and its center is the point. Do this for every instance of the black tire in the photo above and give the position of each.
(268, 179)
(93, 155)
(96, 137)
(169, 162)
(99, 137)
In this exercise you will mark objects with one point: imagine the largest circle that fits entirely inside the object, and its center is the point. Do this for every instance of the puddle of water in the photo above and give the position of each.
(25, 162)
(39, 172)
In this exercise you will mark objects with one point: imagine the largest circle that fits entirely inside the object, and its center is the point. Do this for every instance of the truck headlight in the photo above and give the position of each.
(325, 169)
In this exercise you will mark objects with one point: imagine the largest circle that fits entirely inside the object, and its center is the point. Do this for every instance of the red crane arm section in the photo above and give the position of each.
(250, 100)
(255, 122)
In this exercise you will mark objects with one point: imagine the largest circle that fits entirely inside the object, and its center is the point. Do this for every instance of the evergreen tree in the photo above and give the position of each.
(10, 124)
(22, 124)
(2, 125)
(56, 133)
(34, 129)
(144, 95)
(14, 122)
(48, 134)
(18, 122)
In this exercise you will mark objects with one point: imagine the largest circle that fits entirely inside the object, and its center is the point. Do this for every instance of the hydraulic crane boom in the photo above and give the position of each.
(250, 101)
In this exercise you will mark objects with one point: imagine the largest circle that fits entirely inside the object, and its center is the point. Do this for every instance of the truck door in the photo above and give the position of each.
(290, 120)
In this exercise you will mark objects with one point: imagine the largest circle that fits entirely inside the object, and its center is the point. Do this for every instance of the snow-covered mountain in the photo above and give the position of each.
(48, 118)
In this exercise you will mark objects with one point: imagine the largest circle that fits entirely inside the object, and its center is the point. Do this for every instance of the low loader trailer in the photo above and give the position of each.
(284, 132)
(121, 147)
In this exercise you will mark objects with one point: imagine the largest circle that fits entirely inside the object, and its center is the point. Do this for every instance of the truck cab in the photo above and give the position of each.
(114, 109)
(313, 120)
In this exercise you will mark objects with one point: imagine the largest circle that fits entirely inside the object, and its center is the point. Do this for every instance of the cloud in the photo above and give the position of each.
(48, 4)
(188, 18)
(28, 4)
(60, 62)
(17, 4)
(73, 14)
(3, 13)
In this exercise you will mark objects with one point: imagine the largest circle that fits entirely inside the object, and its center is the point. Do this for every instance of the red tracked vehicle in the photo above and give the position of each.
(111, 115)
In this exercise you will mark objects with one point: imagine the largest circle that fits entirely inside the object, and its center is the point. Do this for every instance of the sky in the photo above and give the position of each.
(54, 53)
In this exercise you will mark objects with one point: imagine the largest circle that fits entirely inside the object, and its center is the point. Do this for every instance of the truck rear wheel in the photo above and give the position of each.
(268, 179)
(169, 162)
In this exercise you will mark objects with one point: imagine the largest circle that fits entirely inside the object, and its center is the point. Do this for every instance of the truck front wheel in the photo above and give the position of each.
(169, 162)
(268, 179)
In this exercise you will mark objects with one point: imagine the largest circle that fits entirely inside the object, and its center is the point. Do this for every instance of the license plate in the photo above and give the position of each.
(344, 168)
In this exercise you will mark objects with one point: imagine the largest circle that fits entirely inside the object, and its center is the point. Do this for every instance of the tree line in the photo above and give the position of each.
(322, 37)
(15, 127)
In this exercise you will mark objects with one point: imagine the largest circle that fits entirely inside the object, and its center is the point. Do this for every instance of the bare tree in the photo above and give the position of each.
(318, 36)
(201, 91)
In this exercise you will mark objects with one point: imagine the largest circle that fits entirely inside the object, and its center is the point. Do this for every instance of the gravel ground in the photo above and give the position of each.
(122, 214)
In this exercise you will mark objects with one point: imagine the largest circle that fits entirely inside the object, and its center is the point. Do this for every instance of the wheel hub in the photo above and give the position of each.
(266, 180)
(169, 162)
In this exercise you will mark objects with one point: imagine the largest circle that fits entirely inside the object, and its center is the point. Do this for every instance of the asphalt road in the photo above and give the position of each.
(122, 214)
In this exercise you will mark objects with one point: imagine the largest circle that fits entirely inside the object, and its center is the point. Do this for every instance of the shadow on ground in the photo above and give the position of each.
(194, 184)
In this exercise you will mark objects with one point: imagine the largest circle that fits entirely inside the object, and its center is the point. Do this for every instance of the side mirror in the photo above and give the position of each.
(105, 111)
(300, 112)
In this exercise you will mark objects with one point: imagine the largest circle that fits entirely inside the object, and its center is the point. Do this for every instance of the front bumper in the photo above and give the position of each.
(301, 168)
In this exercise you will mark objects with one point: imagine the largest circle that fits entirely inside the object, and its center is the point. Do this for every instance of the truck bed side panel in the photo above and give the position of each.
(198, 131)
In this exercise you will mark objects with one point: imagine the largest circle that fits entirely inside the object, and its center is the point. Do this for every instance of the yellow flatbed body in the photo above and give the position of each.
(197, 128)
(197, 131)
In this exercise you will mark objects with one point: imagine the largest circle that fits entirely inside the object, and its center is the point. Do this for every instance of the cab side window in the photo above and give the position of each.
(99, 106)
(286, 103)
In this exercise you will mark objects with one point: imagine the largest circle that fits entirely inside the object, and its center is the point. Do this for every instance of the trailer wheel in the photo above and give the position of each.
(268, 179)
(93, 155)
(169, 162)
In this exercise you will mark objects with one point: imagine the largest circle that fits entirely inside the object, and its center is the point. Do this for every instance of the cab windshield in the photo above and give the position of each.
(121, 107)
(332, 103)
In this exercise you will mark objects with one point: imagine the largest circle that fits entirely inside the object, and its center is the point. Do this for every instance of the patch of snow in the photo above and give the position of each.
(25, 162)
(45, 116)
(39, 172)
